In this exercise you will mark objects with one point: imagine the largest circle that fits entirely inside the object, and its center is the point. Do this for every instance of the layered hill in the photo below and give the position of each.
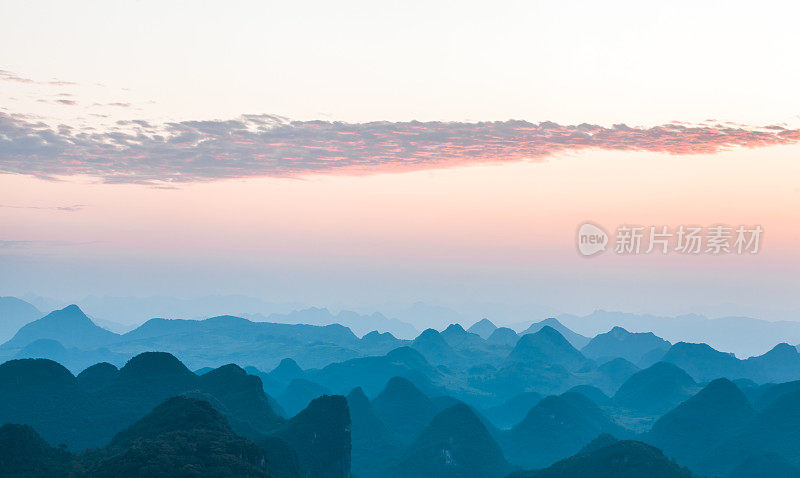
(619, 343)
(547, 346)
(484, 328)
(513, 410)
(576, 340)
(87, 411)
(702, 422)
(69, 326)
(555, 428)
(91, 409)
(373, 442)
(404, 408)
(774, 432)
(656, 389)
(320, 435)
(180, 434)
(455, 444)
(372, 373)
(503, 336)
(608, 458)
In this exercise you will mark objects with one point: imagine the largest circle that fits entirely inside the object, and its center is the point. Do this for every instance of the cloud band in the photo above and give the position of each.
(265, 145)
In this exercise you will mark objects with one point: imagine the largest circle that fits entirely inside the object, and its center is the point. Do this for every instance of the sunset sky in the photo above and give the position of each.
(359, 154)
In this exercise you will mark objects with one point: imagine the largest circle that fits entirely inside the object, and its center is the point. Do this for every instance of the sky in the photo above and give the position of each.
(372, 153)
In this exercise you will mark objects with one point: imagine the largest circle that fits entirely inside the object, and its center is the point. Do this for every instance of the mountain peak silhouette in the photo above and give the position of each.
(17, 373)
(603, 440)
(484, 328)
(576, 340)
(176, 414)
(69, 326)
(287, 368)
(454, 444)
(656, 389)
(152, 366)
(618, 342)
(97, 376)
(455, 329)
(321, 436)
(403, 407)
(618, 459)
(703, 421)
(429, 335)
(504, 336)
(547, 346)
(433, 346)
(558, 426)
(357, 395)
(405, 354)
(401, 387)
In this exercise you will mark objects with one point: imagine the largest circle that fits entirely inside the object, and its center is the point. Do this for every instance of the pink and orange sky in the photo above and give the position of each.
(360, 155)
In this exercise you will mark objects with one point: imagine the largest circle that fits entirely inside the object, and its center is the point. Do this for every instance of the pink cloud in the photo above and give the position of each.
(265, 145)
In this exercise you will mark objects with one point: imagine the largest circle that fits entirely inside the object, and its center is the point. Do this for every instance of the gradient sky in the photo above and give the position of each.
(362, 154)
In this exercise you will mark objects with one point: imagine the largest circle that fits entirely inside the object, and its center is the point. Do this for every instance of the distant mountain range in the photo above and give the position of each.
(231, 339)
(744, 336)
(358, 323)
(134, 311)
(122, 314)
(485, 371)
(415, 426)
(319, 401)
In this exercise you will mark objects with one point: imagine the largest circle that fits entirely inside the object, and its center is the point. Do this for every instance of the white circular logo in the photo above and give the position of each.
(591, 239)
